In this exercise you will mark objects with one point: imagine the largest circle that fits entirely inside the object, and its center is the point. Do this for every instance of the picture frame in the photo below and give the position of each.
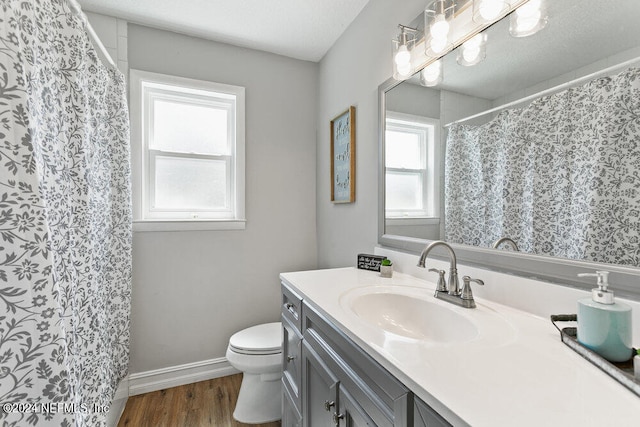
(343, 157)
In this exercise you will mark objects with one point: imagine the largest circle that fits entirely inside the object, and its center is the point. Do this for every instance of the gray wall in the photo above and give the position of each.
(350, 74)
(192, 290)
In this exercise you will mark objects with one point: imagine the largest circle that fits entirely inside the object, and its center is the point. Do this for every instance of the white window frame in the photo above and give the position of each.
(429, 131)
(145, 87)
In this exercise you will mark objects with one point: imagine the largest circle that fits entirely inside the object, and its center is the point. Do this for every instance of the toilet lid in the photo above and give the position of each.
(260, 339)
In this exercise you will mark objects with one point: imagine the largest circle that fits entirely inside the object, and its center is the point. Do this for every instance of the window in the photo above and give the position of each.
(410, 166)
(187, 151)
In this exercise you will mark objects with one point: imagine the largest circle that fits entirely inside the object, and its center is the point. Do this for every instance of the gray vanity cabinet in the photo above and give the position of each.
(329, 381)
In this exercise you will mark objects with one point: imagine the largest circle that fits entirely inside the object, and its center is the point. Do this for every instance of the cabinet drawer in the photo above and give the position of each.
(292, 307)
(291, 360)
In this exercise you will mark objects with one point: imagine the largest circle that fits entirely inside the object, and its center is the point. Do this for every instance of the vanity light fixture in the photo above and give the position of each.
(402, 47)
(528, 19)
(448, 22)
(486, 11)
(431, 75)
(473, 50)
(437, 24)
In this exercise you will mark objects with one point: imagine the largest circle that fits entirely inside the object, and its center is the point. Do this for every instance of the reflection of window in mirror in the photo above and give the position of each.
(410, 166)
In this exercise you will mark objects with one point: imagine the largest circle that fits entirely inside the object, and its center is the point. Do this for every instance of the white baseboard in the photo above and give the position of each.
(173, 376)
(122, 392)
(119, 402)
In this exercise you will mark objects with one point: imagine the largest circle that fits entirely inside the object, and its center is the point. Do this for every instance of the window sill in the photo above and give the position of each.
(412, 221)
(142, 226)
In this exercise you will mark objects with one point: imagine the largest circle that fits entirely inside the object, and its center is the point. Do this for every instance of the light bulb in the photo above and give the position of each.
(527, 23)
(438, 45)
(471, 54)
(528, 16)
(404, 69)
(490, 9)
(472, 51)
(431, 73)
(440, 27)
(528, 19)
(402, 56)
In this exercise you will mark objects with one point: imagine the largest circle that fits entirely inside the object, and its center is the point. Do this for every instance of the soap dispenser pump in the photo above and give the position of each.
(604, 325)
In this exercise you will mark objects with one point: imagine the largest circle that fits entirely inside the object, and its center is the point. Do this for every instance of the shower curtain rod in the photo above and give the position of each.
(547, 91)
(75, 6)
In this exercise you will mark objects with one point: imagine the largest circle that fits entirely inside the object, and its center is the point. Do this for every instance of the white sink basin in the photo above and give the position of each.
(410, 313)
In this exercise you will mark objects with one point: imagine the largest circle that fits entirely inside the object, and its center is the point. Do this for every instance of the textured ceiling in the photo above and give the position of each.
(302, 29)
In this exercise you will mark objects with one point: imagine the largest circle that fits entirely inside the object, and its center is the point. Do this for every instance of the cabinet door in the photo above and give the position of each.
(290, 415)
(319, 390)
(425, 416)
(291, 360)
(350, 414)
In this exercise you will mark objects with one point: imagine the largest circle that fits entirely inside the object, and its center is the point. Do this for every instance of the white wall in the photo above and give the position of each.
(193, 290)
(350, 74)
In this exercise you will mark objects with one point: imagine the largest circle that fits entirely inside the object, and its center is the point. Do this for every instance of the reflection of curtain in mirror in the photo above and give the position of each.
(561, 176)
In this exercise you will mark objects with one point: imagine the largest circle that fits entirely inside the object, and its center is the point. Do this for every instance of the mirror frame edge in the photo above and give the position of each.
(625, 281)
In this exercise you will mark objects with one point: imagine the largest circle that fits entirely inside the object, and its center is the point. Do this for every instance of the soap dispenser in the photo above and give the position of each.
(604, 325)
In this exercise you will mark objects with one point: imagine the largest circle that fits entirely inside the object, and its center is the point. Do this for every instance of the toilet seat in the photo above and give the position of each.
(262, 339)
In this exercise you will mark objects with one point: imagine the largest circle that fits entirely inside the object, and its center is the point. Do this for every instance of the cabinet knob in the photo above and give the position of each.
(328, 405)
(337, 417)
(289, 306)
(290, 358)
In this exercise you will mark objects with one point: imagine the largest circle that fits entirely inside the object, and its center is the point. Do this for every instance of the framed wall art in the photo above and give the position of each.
(343, 157)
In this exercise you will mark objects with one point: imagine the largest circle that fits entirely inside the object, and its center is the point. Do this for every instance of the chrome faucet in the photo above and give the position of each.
(508, 240)
(454, 295)
(454, 284)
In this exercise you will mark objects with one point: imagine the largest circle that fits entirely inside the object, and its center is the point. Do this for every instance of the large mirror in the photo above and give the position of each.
(482, 159)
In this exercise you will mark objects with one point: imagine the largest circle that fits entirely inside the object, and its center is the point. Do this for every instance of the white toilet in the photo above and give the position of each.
(257, 352)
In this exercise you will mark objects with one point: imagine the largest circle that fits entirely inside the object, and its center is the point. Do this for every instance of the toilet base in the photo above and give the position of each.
(260, 399)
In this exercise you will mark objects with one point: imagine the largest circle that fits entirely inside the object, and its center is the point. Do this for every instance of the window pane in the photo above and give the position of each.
(403, 191)
(190, 184)
(189, 128)
(403, 150)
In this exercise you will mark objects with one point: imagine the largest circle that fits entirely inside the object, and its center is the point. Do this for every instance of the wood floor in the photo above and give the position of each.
(207, 403)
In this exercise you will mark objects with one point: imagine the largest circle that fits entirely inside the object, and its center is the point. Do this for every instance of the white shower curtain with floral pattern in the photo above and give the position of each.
(561, 176)
(65, 220)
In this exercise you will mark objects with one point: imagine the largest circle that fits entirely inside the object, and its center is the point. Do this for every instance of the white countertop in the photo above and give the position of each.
(516, 372)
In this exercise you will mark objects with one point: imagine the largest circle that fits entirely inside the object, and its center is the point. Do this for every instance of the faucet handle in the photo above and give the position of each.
(442, 283)
(466, 287)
